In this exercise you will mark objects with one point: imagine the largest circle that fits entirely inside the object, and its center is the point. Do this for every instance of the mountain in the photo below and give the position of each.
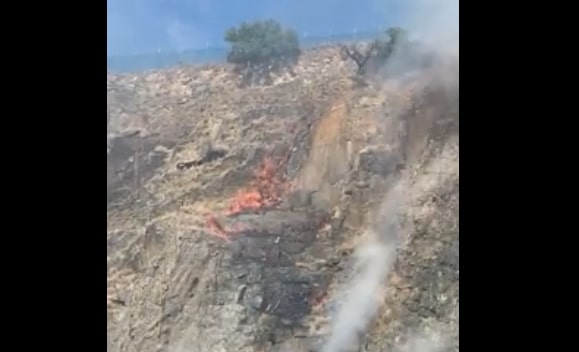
(320, 209)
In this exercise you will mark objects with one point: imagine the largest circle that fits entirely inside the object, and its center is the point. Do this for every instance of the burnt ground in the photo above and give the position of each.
(233, 213)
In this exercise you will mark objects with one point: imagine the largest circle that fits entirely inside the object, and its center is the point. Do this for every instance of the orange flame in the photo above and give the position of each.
(265, 190)
(216, 228)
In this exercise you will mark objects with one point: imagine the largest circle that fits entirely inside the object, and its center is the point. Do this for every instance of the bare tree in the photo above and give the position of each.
(360, 59)
(377, 53)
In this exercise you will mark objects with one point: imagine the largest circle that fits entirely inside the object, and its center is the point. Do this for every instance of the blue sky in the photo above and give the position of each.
(141, 26)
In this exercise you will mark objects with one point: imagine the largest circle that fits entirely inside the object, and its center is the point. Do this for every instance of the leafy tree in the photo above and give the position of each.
(396, 40)
(262, 47)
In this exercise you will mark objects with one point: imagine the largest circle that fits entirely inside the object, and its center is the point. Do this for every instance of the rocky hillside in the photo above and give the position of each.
(235, 214)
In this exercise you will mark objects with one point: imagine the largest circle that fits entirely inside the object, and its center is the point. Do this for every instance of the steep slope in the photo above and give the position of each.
(233, 213)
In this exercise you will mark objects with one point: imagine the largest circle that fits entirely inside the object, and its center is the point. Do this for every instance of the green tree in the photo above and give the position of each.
(396, 40)
(262, 45)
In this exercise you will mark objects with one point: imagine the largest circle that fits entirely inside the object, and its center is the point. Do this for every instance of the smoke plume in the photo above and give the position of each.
(373, 263)
(434, 23)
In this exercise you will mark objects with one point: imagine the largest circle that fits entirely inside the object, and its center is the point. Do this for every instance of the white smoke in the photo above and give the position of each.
(374, 261)
(354, 316)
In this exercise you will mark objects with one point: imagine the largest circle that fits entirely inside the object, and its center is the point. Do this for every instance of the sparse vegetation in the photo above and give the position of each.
(261, 47)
